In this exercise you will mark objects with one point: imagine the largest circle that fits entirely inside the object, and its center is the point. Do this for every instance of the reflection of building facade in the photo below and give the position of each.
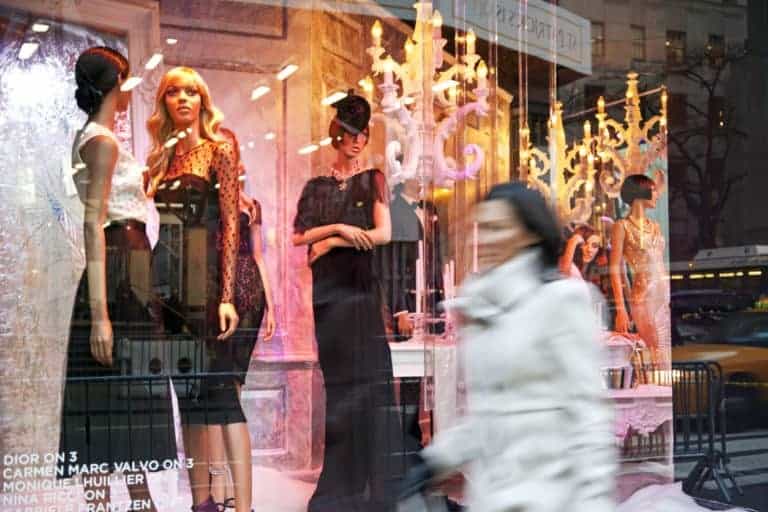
(658, 39)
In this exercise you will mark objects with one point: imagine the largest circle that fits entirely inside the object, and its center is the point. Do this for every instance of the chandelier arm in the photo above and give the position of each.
(446, 128)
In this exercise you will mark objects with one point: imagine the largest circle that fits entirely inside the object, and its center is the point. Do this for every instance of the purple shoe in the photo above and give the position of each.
(207, 506)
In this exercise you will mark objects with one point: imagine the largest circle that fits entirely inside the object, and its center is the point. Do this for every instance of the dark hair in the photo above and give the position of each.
(578, 258)
(636, 186)
(97, 72)
(535, 214)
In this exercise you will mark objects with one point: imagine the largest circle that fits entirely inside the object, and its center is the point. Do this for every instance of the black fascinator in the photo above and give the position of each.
(353, 113)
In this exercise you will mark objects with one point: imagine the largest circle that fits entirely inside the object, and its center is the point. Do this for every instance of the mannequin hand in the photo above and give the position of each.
(102, 341)
(228, 320)
(320, 249)
(269, 326)
(356, 236)
(622, 321)
(577, 239)
(404, 325)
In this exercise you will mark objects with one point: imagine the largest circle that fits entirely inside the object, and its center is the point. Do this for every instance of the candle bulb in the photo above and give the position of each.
(437, 25)
(376, 32)
(471, 38)
(482, 74)
(601, 105)
(587, 129)
(409, 49)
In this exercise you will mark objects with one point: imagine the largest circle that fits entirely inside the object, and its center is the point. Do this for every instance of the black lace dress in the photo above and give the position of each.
(200, 193)
(362, 430)
(250, 298)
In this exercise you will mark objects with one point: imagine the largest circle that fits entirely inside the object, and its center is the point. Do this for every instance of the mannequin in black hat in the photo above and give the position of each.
(342, 216)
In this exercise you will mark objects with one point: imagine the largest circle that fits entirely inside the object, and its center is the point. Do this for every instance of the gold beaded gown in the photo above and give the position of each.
(644, 249)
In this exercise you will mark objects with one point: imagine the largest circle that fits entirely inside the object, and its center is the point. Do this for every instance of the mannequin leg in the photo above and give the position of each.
(238, 443)
(220, 483)
(196, 448)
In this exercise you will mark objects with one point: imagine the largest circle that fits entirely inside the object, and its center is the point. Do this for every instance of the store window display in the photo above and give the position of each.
(100, 424)
(195, 181)
(342, 216)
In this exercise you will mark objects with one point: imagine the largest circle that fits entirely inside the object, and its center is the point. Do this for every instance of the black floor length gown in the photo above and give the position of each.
(362, 430)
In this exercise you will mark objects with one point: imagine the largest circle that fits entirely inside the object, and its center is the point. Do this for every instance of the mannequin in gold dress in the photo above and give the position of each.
(638, 241)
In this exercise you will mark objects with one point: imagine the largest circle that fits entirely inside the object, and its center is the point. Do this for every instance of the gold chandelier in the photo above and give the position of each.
(571, 175)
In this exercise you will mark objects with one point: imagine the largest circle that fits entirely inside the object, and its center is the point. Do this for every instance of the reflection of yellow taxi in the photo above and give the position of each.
(740, 345)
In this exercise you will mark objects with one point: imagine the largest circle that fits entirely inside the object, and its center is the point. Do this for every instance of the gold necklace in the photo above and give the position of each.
(342, 178)
(640, 228)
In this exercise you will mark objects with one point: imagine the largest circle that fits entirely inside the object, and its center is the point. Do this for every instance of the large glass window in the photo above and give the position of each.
(638, 42)
(676, 47)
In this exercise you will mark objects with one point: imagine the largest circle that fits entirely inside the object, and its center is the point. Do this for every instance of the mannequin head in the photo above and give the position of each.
(412, 188)
(587, 251)
(640, 188)
(349, 128)
(99, 72)
(514, 218)
(183, 101)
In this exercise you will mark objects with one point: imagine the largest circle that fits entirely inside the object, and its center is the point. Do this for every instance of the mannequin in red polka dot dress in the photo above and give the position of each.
(193, 178)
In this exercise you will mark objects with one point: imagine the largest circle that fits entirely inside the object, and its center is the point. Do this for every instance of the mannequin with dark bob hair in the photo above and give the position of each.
(637, 241)
(637, 186)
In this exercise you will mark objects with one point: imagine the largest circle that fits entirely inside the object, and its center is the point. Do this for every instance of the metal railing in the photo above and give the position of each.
(699, 425)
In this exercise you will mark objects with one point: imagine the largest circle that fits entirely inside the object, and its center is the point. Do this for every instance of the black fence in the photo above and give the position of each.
(124, 413)
(700, 425)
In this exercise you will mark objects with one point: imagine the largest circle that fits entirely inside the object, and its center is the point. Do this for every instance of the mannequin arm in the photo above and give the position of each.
(616, 272)
(100, 155)
(566, 260)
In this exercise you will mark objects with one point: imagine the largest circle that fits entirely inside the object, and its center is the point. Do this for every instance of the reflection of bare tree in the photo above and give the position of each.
(701, 138)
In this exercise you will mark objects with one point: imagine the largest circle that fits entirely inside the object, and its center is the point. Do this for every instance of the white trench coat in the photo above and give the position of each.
(538, 434)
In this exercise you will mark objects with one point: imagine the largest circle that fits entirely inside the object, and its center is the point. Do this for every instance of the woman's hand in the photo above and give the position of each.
(622, 321)
(102, 341)
(228, 320)
(320, 249)
(576, 239)
(404, 325)
(269, 326)
(356, 236)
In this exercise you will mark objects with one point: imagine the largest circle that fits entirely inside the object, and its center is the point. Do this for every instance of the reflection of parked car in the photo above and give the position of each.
(695, 313)
(740, 345)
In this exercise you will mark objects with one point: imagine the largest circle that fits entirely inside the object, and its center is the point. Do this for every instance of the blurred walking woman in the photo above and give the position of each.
(538, 434)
